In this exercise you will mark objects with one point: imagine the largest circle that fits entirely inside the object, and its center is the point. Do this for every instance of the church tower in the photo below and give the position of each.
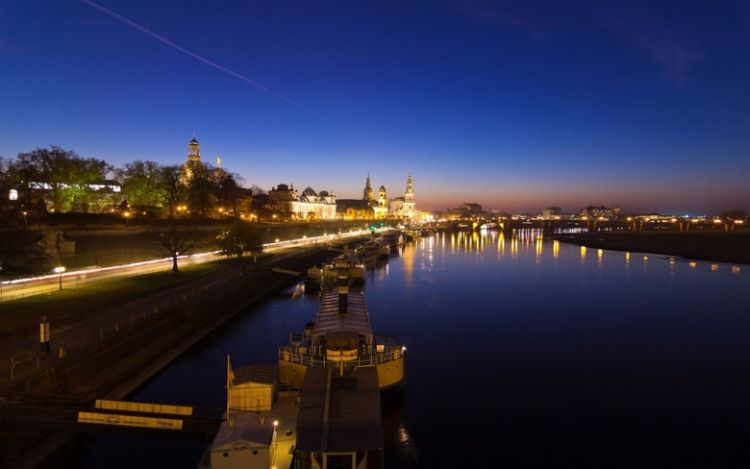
(368, 190)
(409, 194)
(382, 199)
(194, 150)
(193, 159)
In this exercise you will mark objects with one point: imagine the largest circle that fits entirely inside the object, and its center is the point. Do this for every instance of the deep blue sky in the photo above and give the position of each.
(515, 105)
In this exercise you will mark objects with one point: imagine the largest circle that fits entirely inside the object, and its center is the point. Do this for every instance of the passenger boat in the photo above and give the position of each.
(313, 279)
(347, 265)
(368, 253)
(319, 408)
(342, 337)
(341, 368)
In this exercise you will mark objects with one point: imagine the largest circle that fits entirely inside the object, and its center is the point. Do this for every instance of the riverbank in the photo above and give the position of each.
(732, 247)
(128, 357)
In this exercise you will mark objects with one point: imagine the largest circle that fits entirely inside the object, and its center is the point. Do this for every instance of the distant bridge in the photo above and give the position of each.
(549, 227)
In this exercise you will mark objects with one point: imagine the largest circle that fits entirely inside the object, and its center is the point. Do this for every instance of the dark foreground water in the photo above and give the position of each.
(521, 353)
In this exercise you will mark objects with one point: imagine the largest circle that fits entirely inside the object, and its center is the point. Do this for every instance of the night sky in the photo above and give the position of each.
(515, 105)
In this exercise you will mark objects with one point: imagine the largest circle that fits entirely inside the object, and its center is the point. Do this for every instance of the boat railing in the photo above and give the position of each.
(383, 354)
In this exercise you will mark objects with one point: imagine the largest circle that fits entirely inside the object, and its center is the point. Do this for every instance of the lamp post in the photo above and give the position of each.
(274, 443)
(59, 270)
(25, 221)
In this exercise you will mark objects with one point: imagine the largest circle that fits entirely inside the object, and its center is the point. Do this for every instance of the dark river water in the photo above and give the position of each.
(522, 352)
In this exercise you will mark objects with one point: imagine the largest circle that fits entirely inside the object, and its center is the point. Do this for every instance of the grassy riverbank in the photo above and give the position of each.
(732, 247)
(125, 358)
(77, 301)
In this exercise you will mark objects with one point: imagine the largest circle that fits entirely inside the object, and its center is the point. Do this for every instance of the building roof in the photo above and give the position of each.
(357, 320)
(194, 140)
(309, 191)
(246, 426)
(265, 374)
(350, 422)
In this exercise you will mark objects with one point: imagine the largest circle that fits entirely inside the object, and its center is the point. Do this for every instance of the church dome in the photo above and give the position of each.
(309, 191)
(382, 188)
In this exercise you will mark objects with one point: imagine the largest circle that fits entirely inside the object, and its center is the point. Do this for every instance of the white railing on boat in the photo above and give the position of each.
(292, 354)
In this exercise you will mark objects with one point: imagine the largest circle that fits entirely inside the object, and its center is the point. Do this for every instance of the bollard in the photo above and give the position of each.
(44, 334)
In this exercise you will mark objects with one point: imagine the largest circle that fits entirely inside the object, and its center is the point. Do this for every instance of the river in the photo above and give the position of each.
(521, 352)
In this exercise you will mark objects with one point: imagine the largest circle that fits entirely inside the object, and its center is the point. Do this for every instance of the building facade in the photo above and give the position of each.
(310, 205)
(405, 207)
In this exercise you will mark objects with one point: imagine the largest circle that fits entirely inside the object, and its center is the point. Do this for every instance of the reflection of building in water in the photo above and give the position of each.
(408, 256)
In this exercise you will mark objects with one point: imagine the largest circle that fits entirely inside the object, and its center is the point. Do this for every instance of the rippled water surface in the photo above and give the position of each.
(522, 352)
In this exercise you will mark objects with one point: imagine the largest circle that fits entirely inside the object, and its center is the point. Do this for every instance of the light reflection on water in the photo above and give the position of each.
(537, 355)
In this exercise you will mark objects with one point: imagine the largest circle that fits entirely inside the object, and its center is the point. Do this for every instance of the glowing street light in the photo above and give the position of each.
(60, 269)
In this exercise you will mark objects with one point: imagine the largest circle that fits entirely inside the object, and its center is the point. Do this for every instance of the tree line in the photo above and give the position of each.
(59, 180)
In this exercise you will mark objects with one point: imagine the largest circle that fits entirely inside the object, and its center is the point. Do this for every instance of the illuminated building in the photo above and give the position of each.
(310, 205)
(404, 207)
(193, 159)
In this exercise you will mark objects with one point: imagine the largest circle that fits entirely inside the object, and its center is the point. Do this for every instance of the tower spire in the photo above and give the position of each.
(368, 189)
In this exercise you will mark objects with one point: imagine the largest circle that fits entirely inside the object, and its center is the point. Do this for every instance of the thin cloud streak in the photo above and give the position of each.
(658, 40)
(195, 56)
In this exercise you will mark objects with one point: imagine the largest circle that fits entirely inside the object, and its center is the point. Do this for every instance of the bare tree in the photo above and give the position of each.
(176, 242)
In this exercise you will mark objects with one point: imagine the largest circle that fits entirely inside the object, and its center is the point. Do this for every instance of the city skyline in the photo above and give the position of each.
(515, 107)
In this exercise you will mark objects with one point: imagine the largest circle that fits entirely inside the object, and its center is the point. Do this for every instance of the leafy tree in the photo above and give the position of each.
(170, 189)
(201, 188)
(21, 252)
(239, 239)
(141, 183)
(176, 241)
(257, 190)
(62, 176)
(227, 189)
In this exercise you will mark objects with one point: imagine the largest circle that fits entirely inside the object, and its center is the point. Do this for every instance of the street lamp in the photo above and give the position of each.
(59, 270)
(274, 443)
(126, 215)
(25, 221)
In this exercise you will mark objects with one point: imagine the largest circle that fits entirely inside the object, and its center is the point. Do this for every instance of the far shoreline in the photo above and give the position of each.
(731, 247)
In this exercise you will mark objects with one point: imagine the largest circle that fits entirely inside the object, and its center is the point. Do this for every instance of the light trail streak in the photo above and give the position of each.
(193, 55)
(298, 242)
